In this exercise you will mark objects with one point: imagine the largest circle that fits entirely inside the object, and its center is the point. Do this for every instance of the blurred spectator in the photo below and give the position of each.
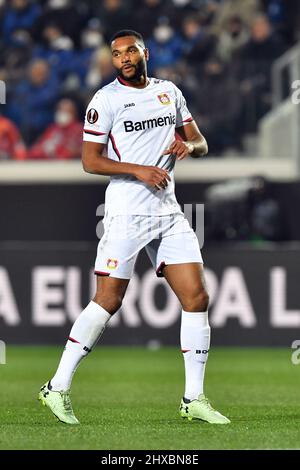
(284, 16)
(91, 40)
(147, 14)
(218, 92)
(276, 12)
(11, 143)
(166, 47)
(101, 71)
(199, 44)
(15, 57)
(114, 15)
(63, 139)
(178, 10)
(234, 36)
(21, 14)
(31, 105)
(292, 20)
(56, 39)
(245, 9)
(57, 50)
(91, 36)
(254, 68)
(69, 17)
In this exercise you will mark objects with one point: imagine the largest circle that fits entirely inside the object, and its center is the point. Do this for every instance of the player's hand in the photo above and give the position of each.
(153, 175)
(180, 148)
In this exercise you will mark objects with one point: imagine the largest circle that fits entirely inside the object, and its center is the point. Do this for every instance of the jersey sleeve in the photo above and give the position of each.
(98, 119)
(183, 116)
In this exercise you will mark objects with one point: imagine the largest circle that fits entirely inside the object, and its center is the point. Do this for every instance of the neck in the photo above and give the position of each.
(142, 82)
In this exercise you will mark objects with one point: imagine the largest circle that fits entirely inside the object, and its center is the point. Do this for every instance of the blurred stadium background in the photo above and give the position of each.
(238, 64)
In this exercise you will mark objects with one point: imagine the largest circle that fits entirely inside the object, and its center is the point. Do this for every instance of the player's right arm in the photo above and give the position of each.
(97, 127)
(95, 162)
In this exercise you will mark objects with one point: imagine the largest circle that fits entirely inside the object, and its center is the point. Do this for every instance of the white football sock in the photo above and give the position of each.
(195, 342)
(84, 334)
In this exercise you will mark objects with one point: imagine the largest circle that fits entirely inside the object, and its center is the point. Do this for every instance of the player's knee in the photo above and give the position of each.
(197, 303)
(110, 303)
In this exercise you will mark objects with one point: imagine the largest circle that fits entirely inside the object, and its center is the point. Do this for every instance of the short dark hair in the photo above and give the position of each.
(128, 32)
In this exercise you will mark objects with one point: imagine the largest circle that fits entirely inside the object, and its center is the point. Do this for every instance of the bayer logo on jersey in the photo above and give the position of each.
(166, 162)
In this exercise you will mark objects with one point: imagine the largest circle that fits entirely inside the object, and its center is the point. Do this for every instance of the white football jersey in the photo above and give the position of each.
(138, 125)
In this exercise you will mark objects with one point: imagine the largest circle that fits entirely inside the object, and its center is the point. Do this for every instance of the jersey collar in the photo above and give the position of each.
(123, 83)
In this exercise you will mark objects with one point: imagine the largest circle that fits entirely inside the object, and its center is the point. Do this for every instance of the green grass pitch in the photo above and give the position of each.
(128, 398)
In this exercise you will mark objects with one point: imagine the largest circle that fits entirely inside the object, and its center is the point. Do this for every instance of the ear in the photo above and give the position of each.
(146, 54)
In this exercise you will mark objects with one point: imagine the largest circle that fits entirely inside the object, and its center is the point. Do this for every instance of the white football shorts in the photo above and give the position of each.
(168, 239)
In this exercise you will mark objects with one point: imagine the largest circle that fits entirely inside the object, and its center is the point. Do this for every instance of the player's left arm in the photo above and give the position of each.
(193, 143)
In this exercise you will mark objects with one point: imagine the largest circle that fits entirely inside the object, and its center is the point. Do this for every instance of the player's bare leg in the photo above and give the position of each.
(188, 283)
(110, 292)
(85, 333)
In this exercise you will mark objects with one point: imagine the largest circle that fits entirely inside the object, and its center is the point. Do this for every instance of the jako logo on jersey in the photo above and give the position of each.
(150, 123)
(164, 98)
(112, 263)
(92, 116)
(128, 105)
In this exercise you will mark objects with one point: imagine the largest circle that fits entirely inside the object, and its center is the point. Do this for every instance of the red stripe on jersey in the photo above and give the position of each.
(188, 120)
(93, 132)
(73, 340)
(114, 145)
(102, 273)
(185, 350)
(121, 80)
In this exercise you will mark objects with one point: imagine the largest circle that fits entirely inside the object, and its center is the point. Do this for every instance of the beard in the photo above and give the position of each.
(139, 70)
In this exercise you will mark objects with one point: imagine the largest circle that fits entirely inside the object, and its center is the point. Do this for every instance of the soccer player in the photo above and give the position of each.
(135, 117)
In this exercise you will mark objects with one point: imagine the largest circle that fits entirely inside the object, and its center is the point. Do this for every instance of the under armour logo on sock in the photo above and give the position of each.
(202, 351)
(87, 349)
